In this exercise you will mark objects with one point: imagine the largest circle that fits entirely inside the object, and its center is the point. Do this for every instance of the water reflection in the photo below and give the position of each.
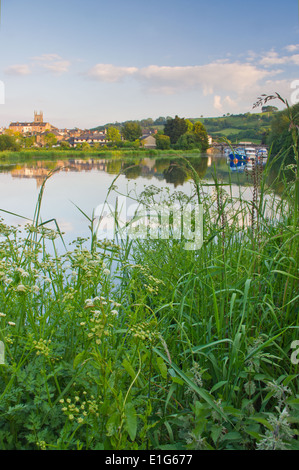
(84, 183)
(172, 170)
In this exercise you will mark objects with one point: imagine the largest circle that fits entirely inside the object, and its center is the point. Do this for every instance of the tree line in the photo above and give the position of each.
(177, 133)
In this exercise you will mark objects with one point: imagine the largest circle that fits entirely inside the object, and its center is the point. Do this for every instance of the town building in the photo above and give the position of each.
(32, 128)
(89, 138)
(148, 141)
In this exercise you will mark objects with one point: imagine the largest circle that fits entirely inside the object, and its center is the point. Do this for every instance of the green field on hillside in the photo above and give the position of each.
(253, 127)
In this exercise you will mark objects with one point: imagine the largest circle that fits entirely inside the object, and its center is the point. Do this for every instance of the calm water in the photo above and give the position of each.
(85, 183)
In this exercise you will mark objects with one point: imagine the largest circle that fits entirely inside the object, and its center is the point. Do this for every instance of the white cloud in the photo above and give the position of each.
(217, 76)
(292, 47)
(110, 73)
(18, 70)
(273, 58)
(217, 103)
(230, 102)
(52, 62)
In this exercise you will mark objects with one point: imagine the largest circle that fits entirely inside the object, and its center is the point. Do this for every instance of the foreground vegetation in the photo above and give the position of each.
(144, 345)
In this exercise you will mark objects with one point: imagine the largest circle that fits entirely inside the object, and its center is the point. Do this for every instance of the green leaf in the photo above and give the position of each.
(162, 367)
(200, 391)
(218, 385)
(264, 345)
(232, 436)
(128, 367)
(131, 420)
(78, 359)
(216, 432)
(209, 345)
(113, 424)
(262, 421)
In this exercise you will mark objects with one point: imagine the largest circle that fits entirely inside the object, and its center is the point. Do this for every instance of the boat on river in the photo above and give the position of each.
(262, 153)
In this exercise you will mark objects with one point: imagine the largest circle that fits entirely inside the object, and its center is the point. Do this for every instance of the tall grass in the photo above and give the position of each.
(144, 345)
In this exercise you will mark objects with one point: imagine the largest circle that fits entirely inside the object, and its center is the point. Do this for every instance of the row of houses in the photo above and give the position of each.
(74, 137)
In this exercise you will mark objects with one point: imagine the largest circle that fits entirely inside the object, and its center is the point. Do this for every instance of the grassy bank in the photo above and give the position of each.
(42, 154)
(172, 349)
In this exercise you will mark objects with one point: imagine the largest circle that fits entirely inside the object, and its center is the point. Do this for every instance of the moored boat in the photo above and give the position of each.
(250, 153)
(262, 153)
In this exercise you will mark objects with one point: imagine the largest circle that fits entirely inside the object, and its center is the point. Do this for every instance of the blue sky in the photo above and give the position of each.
(88, 63)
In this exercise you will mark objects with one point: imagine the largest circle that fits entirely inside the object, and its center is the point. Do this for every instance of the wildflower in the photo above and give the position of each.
(106, 272)
(23, 272)
(41, 444)
(114, 312)
(21, 288)
(2, 314)
(11, 323)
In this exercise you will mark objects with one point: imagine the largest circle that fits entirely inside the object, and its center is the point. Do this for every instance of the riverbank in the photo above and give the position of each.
(174, 349)
(34, 154)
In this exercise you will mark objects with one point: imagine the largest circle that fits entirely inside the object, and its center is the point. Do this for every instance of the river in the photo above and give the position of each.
(84, 182)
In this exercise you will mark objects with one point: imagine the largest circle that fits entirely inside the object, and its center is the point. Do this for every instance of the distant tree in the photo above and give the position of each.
(147, 122)
(201, 135)
(160, 121)
(29, 141)
(269, 109)
(113, 134)
(189, 125)
(8, 142)
(187, 141)
(85, 146)
(131, 130)
(50, 139)
(162, 141)
(174, 128)
(64, 145)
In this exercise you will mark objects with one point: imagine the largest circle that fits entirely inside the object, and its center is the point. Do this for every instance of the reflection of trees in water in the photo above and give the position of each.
(200, 165)
(174, 171)
(175, 174)
(132, 172)
(178, 172)
(114, 166)
(161, 165)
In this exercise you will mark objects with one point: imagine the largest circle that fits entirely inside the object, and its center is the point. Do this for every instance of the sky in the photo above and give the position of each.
(88, 63)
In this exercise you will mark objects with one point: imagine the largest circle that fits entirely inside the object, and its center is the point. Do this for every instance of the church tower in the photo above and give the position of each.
(38, 117)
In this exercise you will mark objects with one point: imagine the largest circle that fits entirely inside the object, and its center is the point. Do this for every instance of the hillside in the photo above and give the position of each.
(242, 127)
(253, 127)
